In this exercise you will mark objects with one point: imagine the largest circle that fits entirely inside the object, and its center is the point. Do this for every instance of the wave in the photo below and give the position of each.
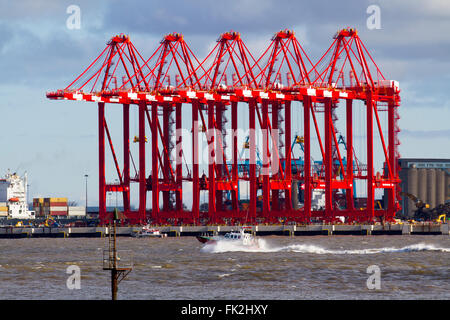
(411, 248)
(221, 246)
(264, 246)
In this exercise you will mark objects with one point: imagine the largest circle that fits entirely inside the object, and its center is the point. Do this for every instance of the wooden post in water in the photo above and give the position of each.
(118, 270)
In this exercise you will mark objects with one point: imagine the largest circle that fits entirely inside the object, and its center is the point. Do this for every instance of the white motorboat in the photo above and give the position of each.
(236, 237)
(147, 232)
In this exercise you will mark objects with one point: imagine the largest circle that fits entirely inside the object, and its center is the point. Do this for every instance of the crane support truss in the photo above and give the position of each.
(282, 82)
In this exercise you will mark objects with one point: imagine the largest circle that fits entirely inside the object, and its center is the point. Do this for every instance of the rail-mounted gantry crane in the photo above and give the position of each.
(217, 91)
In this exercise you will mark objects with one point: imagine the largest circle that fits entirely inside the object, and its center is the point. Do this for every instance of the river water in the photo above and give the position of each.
(283, 268)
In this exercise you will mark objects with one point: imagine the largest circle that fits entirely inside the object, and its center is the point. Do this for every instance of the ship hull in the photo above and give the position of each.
(205, 239)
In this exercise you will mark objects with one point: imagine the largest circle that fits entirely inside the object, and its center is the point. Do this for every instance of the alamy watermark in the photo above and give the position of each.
(216, 146)
(73, 22)
(374, 19)
(374, 280)
(74, 280)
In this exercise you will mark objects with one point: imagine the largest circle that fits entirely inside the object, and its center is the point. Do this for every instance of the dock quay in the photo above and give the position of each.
(9, 232)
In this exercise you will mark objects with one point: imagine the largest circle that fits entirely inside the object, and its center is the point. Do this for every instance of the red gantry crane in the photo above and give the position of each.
(230, 83)
(347, 71)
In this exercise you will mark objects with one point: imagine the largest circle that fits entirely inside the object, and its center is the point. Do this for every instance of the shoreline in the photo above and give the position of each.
(12, 232)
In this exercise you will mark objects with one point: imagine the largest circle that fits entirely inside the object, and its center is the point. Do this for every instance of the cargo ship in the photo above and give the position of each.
(13, 197)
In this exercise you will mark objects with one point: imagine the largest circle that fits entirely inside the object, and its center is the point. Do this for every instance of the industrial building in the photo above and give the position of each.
(426, 179)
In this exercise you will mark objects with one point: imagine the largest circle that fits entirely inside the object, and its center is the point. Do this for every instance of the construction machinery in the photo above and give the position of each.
(420, 205)
(50, 222)
(442, 218)
(425, 213)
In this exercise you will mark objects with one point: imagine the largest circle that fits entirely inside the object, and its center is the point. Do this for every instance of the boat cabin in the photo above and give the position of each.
(232, 236)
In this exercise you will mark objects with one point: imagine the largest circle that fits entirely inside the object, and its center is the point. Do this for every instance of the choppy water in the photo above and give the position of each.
(319, 267)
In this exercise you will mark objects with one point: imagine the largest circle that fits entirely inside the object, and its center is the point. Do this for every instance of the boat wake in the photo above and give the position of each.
(221, 246)
(264, 246)
(319, 250)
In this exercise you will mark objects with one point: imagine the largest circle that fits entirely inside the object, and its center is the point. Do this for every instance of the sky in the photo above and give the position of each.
(56, 143)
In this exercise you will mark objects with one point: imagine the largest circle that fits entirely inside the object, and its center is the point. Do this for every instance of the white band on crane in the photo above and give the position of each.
(247, 93)
(132, 95)
(311, 92)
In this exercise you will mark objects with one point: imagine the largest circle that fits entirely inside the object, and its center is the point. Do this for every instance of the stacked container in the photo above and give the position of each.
(55, 206)
(38, 206)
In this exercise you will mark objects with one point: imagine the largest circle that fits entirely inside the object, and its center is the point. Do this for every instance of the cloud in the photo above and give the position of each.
(36, 43)
(64, 53)
(215, 17)
(425, 134)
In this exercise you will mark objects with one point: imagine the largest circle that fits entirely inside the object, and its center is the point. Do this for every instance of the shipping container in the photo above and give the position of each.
(76, 211)
(58, 213)
(58, 208)
(39, 212)
(76, 208)
(57, 204)
(49, 200)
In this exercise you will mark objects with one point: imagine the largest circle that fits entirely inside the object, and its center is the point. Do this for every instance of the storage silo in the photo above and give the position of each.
(412, 189)
(447, 186)
(422, 187)
(440, 186)
(431, 187)
(403, 175)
